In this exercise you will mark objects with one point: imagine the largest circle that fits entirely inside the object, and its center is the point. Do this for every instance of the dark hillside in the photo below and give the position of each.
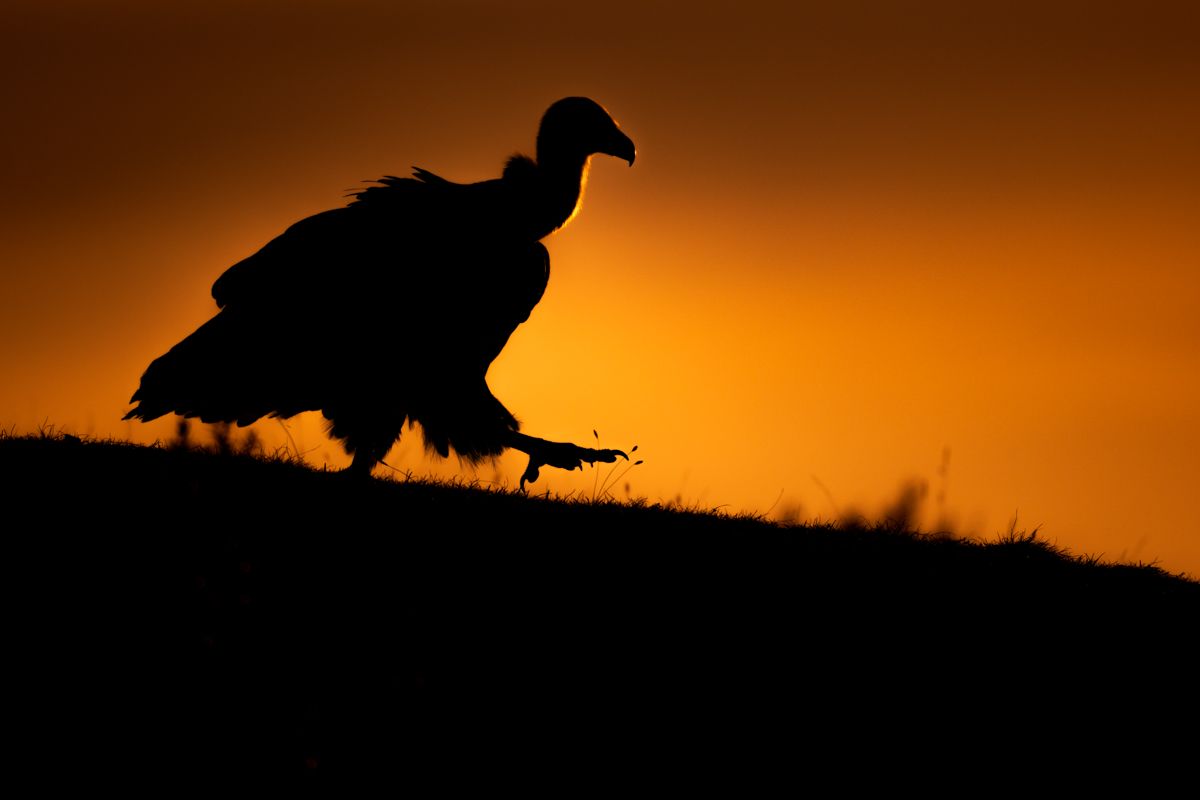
(205, 613)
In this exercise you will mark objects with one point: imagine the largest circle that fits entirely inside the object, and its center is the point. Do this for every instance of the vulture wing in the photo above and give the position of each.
(399, 300)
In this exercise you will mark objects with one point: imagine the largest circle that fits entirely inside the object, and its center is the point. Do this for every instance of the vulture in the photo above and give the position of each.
(389, 310)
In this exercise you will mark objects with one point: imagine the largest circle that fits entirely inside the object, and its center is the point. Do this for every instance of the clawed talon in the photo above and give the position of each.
(564, 456)
(530, 474)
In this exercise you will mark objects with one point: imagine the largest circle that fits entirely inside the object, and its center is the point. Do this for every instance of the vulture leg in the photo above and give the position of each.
(367, 436)
(362, 464)
(564, 455)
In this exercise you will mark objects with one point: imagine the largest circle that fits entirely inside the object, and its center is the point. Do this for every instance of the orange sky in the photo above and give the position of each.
(857, 235)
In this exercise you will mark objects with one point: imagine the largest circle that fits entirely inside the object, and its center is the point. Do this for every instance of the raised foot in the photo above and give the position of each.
(563, 455)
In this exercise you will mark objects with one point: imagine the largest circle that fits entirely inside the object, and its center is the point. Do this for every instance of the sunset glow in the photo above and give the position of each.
(858, 247)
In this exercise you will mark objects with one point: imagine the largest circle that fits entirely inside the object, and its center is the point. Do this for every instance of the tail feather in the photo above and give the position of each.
(215, 375)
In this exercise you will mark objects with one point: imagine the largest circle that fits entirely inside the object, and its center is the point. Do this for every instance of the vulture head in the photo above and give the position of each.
(575, 128)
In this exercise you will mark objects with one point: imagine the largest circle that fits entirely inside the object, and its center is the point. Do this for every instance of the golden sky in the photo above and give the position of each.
(858, 236)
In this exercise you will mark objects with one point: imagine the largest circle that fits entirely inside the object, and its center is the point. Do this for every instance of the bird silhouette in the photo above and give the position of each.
(390, 309)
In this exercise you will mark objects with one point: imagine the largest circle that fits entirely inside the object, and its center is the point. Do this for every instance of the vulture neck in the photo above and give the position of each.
(564, 175)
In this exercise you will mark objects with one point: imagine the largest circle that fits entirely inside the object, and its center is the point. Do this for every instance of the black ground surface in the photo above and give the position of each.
(199, 615)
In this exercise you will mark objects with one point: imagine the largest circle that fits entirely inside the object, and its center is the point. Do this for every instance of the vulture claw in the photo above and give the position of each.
(565, 456)
(530, 474)
(609, 456)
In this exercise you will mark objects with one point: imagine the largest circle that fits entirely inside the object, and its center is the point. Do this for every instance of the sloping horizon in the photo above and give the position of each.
(859, 247)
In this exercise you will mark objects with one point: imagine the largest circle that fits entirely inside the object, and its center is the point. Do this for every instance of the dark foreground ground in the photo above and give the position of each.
(195, 614)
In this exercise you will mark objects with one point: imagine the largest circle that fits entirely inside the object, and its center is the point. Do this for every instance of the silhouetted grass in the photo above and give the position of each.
(211, 611)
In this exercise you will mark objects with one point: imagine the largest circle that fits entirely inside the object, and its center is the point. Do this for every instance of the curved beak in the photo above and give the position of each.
(621, 147)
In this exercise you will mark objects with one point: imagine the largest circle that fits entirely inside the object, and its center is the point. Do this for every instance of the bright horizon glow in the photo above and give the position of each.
(850, 242)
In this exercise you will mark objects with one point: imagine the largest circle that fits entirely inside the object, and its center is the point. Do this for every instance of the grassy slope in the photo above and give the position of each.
(215, 611)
